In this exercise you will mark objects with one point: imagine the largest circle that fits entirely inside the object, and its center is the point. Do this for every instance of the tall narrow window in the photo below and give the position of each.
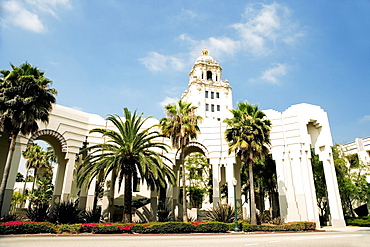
(212, 95)
(206, 94)
(209, 75)
(207, 107)
(212, 108)
(218, 108)
(216, 77)
(202, 76)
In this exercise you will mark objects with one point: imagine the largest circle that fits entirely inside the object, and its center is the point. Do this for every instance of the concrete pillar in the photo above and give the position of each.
(216, 183)
(154, 202)
(68, 178)
(12, 175)
(335, 204)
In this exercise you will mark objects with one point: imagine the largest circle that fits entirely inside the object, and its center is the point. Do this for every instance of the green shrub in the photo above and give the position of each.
(221, 213)
(140, 228)
(361, 221)
(211, 227)
(39, 212)
(291, 226)
(171, 227)
(68, 229)
(107, 229)
(67, 213)
(21, 227)
(10, 217)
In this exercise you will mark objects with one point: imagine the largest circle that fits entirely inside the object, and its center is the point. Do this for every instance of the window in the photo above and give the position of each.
(209, 75)
(212, 108)
(202, 76)
(207, 107)
(218, 108)
(212, 95)
(217, 95)
(216, 77)
(206, 94)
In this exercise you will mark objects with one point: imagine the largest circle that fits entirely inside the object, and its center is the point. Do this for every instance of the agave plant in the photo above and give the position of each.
(67, 212)
(38, 212)
(221, 213)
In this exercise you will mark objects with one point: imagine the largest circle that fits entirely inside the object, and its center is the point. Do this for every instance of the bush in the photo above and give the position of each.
(67, 213)
(92, 216)
(10, 217)
(38, 213)
(171, 227)
(221, 213)
(361, 221)
(21, 227)
(211, 227)
(68, 229)
(291, 226)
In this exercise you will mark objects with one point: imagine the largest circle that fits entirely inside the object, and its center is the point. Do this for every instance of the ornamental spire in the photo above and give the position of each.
(205, 52)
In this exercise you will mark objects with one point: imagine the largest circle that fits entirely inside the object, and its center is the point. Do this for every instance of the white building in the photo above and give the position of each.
(294, 131)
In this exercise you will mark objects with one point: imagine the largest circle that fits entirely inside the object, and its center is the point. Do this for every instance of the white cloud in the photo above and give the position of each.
(265, 26)
(271, 74)
(364, 119)
(27, 14)
(158, 62)
(16, 14)
(168, 100)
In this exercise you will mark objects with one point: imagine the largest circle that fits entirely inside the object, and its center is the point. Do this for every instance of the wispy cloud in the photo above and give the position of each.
(364, 119)
(30, 14)
(158, 62)
(168, 100)
(263, 27)
(272, 74)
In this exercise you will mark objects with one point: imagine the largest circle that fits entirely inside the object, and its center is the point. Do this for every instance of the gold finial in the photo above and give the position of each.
(205, 52)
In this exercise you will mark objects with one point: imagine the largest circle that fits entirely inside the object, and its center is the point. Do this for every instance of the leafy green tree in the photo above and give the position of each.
(248, 137)
(265, 184)
(129, 151)
(25, 98)
(198, 175)
(181, 126)
(36, 159)
(352, 183)
(320, 187)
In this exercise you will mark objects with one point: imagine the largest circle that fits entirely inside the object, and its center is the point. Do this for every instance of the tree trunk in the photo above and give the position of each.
(8, 164)
(24, 187)
(184, 206)
(252, 199)
(127, 217)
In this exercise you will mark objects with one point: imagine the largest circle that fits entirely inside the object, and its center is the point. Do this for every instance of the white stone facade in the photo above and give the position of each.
(293, 133)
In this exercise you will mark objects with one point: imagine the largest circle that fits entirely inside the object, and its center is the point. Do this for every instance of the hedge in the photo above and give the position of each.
(20, 227)
(361, 221)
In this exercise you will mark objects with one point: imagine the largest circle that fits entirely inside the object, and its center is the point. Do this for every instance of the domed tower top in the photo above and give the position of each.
(206, 90)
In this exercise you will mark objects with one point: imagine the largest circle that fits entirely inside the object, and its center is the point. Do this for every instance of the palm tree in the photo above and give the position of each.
(129, 151)
(25, 98)
(35, 159)
(248, 137)
(181, 125)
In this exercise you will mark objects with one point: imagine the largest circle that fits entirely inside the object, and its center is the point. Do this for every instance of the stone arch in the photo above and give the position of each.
(193, 147)
(52, 133)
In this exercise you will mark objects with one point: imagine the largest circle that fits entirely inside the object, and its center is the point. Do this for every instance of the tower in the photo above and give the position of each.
(207, 91)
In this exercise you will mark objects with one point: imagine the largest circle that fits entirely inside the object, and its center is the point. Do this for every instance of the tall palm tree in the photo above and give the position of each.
(248, 137)
(36, 158)
(25, 98)
(129, 151)
(181, 125)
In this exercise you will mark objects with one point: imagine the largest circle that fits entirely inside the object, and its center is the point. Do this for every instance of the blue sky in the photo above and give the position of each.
(106, 55)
